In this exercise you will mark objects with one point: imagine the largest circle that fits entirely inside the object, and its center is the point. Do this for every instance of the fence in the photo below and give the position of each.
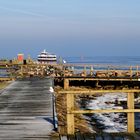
(71, 111)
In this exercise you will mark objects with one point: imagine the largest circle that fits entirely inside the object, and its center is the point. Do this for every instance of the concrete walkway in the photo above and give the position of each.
(26, 110)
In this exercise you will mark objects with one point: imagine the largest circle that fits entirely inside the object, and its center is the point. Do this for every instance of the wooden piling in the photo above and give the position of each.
(21, 69)
(91, 70)
(85, 71)
(130, 115)
(131, 72)
(66, 83)
(70, 116)
(137, 71)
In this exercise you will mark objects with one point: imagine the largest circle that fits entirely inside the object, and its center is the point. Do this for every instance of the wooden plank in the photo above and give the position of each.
(66, 84)
(26, 116)
(70, 116)
(6, 78)
(130, 115)
(98, 91)
(105, 111)
(102, 79)
(81, 78)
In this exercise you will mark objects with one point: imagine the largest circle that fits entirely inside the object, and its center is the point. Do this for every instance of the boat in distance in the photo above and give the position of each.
(46, 57)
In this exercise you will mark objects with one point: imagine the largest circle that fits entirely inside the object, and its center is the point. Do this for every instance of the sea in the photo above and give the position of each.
(108, 60)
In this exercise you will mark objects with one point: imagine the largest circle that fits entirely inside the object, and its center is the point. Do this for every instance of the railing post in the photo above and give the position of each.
(108, 68)
(70, 116)
(21, 70)
(131, 72)
(91, 70)
(130, 115)
(85, 71)
(66, 83)
(64, 71)
(137, 74)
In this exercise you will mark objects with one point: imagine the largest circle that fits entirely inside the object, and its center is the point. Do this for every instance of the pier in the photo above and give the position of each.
(96, 78)
(26, 110)
(102, 79)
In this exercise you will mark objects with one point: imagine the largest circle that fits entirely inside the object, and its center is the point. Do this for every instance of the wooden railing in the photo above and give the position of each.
(86, 70)
(107, 71)
(71, 109)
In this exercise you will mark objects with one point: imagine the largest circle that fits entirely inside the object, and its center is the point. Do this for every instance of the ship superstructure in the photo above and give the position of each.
(46, 57)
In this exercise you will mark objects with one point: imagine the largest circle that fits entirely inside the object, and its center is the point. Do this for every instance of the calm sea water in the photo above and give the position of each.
(113, 60)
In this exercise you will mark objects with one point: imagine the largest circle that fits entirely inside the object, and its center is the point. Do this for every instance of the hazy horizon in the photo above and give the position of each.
(70, 28)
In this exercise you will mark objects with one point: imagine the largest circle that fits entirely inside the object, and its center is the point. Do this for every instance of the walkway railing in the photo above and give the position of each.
(83, 70)
(100, 71)
(71, 109)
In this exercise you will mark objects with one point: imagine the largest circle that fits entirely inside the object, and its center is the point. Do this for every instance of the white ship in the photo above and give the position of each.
(46, 57)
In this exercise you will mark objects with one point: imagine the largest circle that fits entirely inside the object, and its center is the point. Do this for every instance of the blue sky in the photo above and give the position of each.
(70, 27)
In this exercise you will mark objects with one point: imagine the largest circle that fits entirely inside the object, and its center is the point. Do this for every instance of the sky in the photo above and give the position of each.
(70, 27)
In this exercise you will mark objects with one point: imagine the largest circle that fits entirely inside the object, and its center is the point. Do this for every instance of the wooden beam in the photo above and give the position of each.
(130, 115)
(66, 83)
(99, 91)
(6, 78)
(70, 116)
(85, 71)
(102, 79)
(105, 111)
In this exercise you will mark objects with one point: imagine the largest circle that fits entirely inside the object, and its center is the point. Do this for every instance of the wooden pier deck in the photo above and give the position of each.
(26, 110)
(66, 74)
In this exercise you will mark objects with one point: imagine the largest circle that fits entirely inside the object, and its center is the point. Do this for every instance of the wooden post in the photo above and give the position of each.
(21, 70)
(72, 69)
(70, 116)
(97, 83)
(130, 116)
(137, 71)
(85, 73)
(108, 68)
(91, 70)
(64, 70)
(131, 72)
(66, 83)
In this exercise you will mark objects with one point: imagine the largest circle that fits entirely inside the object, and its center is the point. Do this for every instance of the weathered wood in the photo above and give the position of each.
(105, 111)
(137, 71)
(130, 115)
(73, 78)
(21, 70)
(131, 72)
(70, 116)
(98, 91)
(26, 110)
(66, 83)
(85, 71)
(130, 111)
(6, 78)
(91, 70)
